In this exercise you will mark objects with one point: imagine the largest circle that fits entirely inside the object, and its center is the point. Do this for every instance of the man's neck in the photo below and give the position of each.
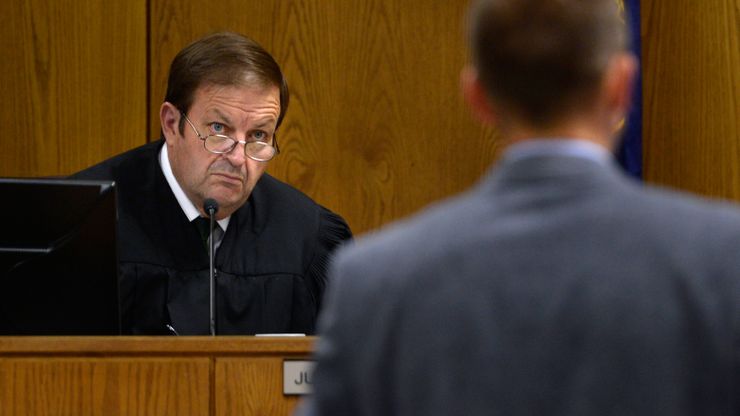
(583, 129)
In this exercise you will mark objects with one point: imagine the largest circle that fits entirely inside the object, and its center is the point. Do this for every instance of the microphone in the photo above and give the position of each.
(210, 207)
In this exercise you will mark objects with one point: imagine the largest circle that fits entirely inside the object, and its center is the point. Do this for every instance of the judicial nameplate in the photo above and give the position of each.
(297, 377)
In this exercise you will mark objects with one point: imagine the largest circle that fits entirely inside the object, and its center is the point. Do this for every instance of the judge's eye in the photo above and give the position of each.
(259, 135)
(217, 127)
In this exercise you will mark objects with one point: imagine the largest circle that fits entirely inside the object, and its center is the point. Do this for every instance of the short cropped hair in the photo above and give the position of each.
(543, 58)
(227, 59)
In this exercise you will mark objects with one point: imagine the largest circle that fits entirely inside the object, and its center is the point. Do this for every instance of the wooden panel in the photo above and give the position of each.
(691, 70)
(146, 375)
(100, 386)
(155, 346)
(376, 127)
(251, 387)
(73, 76)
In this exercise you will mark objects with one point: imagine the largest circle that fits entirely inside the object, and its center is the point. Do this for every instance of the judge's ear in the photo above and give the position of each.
(169, 119)
(475, 95)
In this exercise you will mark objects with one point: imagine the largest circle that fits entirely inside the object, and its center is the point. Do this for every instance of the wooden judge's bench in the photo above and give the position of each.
(149, 375)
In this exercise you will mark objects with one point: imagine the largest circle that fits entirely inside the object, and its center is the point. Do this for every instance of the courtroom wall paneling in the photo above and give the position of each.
(74, 80)
(376, 127)
(691, 119)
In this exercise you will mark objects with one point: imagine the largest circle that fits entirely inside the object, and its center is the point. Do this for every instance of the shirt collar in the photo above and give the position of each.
(191, 212)
(558, 147)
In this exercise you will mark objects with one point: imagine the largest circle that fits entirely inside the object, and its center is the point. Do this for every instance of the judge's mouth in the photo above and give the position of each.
(228, 177)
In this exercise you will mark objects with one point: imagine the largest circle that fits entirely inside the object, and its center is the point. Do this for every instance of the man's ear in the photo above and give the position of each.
(169, 119)
(475, 95)
(618, 84)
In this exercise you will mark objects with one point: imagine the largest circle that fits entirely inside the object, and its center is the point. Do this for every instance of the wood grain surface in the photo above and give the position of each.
(104, 386)
(73, 79)
(241, 388)
(691, 120)
(37, 346)
(146, 375)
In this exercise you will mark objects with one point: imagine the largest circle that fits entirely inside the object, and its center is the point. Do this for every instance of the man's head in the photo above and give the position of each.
(541, 62)
(222, 84)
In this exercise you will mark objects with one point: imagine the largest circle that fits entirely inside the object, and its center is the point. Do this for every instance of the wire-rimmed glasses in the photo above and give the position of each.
(220, 144)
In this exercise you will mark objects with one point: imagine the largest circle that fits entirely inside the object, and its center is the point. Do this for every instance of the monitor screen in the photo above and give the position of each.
(58, 265)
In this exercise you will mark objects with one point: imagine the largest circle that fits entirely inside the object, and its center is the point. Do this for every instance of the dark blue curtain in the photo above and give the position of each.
(629, 152)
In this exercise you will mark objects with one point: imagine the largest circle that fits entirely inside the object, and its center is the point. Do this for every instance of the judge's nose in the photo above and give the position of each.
(237, 155)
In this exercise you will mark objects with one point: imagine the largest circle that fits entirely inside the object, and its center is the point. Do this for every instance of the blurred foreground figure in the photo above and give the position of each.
(557, 286)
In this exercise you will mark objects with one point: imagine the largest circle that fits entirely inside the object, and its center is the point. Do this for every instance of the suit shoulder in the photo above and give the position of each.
(681, 207)
(423, 235)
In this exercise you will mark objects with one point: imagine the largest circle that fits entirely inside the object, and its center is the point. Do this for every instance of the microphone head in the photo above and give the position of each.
(210, 206)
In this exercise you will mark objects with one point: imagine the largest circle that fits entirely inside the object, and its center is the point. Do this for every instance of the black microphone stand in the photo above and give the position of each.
(210, 206)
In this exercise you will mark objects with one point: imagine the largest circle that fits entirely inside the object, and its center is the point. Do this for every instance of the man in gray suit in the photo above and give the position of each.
(557, 286)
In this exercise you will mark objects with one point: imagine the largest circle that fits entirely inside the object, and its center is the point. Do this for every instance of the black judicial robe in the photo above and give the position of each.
(271, 265)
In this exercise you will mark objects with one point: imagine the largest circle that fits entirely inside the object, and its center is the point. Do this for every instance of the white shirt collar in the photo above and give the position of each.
(191, 212)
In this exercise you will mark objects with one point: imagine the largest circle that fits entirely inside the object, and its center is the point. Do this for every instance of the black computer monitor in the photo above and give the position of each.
(58, 264)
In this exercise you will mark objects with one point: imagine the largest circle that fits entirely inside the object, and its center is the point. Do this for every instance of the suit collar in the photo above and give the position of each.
(553, 171)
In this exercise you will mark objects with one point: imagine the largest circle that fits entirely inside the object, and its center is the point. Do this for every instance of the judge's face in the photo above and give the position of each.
(243, 112)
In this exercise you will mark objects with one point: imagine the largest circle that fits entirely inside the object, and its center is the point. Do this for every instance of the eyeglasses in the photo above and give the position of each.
(221, 144)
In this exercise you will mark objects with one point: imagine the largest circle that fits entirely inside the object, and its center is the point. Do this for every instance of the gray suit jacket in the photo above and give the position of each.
(555, 287)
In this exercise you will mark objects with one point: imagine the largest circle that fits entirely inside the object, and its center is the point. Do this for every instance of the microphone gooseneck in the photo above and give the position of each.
(210, 207)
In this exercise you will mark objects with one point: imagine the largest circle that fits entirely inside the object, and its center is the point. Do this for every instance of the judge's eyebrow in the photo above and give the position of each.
(262, 124)
(223, 116)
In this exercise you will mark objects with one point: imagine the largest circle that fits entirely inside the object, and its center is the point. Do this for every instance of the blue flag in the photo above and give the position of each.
(629, 152)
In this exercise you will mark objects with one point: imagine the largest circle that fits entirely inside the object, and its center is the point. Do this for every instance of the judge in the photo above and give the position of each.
(226, 97)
